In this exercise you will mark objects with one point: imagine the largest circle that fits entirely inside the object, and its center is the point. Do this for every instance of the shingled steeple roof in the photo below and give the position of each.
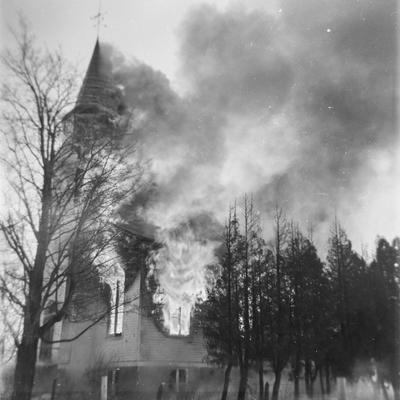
(98, 89)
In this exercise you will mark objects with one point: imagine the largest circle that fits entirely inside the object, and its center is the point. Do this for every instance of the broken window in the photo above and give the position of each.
(179, 321)
(115, 321)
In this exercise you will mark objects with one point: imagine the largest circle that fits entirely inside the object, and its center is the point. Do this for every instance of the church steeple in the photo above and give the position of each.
(98, 89)
(99, 104)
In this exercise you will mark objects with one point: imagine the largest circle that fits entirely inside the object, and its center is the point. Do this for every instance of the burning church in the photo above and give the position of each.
(146, 346)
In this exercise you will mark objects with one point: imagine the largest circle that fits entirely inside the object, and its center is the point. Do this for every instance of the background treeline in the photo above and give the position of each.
(278, 304)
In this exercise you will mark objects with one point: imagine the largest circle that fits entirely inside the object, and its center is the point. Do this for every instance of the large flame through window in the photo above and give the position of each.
(179, 268)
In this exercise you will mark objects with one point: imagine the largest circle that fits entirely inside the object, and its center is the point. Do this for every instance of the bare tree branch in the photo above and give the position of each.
(63, 184)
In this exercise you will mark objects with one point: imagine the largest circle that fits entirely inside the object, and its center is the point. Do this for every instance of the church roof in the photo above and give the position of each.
(140, 228)
(98, 89)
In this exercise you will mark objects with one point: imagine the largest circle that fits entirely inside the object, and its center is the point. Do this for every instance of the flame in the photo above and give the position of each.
(179, 268)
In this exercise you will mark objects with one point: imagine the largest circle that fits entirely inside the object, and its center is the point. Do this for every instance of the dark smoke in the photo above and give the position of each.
(296, 106)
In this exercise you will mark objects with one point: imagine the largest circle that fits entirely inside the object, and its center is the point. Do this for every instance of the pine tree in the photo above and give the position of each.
(385, 278)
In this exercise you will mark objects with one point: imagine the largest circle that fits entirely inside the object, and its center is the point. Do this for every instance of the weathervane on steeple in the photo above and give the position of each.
(99, 18)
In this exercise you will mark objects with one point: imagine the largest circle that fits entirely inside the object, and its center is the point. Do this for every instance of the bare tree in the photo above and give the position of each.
(66, 179)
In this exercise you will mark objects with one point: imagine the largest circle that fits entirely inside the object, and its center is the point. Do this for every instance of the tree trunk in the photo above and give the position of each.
(396, 386)
(27, 350)
(296, 381)
(327, 379)
(314, 375)
(308, 379)
(341, 388)
(226, 381)
(296, 376)
(384, 391)
(266, 391)
(24, 373)
(277, 384)
(260, 380)
(244, 371)
(25, 368)
(321, 383)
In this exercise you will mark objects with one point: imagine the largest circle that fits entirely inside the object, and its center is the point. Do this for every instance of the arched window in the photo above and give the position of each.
(113, 276)
(45, 343)
(116, 307)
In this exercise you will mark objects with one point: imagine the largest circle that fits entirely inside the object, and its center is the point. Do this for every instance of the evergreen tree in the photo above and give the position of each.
(233, 316)
(219, 315)
(279, 315)
(308, 287)
(385, 278)
(348, 277)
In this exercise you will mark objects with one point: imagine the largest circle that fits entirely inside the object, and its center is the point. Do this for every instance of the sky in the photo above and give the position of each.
(292, 101)
(147, 30)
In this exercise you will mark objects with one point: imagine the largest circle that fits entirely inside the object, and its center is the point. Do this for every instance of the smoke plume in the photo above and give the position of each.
(296, 106)
(294, 103)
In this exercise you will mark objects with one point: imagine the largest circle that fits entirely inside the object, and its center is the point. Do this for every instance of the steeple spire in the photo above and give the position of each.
(100, 101)
(98, 88)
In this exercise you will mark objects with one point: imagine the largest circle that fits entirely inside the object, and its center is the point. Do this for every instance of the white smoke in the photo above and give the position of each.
(297, 110)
